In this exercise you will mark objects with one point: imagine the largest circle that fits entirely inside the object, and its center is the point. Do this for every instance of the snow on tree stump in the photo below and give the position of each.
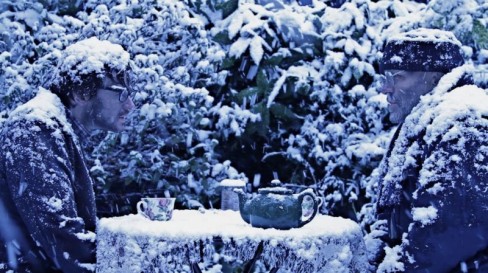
(133, 243)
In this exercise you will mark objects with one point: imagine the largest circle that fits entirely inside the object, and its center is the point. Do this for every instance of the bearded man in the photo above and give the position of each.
(47, 203)
(432, 204)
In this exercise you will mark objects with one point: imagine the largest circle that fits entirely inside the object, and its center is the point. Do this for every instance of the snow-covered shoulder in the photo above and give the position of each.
(457, 111)
(45, 108)
(447, 106)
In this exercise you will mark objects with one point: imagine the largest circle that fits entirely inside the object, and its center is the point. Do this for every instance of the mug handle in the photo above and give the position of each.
(321, 201)
(141, 208)
(315, 207)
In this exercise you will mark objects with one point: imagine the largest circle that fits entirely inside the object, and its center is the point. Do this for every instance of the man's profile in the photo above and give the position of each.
(47, 194)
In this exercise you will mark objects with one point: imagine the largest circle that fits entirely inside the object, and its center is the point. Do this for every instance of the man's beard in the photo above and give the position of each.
(407, 99)
(99, 121)
(404, 108)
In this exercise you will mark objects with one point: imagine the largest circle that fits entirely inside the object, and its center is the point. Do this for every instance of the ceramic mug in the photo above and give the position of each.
(158, 208)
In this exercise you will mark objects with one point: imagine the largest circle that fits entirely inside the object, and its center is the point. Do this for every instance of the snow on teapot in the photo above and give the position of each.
(276, 207)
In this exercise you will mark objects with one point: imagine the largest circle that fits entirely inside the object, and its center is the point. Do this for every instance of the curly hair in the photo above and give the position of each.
(85, 86)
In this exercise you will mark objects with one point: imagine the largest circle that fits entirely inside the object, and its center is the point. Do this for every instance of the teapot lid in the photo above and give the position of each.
(275, 188)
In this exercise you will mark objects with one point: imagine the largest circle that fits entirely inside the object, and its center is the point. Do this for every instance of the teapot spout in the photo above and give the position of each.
(244, 205)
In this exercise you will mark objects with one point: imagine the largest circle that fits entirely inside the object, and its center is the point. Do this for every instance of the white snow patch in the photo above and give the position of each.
(391, 262)
(396, 59)
(86, 236)
(87, 266)
(55, 204)
(232, 183)
(424, 215)
(426, 35)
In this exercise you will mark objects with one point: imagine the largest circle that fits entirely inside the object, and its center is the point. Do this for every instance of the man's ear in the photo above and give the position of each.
(78, 99)
(436, 78)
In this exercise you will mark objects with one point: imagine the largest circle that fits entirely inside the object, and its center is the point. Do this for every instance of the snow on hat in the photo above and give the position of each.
(422, 49)
(92, 56)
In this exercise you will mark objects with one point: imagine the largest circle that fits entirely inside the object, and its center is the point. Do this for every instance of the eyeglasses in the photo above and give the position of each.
(389, 78)
(124, 93)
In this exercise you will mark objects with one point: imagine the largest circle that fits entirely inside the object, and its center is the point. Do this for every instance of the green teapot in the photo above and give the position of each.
(276, 207)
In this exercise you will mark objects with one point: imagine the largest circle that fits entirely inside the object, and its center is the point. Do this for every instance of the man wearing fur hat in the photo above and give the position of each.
(47, 204)
(432, 207)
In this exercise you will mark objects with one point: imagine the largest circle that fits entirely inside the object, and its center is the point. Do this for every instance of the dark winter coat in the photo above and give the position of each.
(46, 191)
(433, 183)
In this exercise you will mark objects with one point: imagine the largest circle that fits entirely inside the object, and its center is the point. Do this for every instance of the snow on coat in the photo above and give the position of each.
(46, 190)
(433, 206)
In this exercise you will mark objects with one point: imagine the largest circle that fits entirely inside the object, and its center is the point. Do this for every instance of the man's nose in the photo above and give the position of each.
(129, 104)
(386, 88)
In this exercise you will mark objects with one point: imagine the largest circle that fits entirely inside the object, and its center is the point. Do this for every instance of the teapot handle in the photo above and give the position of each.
(315, 207)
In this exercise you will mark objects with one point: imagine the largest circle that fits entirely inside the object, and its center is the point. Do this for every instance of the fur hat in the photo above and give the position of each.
(422, 49)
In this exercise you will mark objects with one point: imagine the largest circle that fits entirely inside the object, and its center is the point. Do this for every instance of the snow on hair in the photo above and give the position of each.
(91, 56)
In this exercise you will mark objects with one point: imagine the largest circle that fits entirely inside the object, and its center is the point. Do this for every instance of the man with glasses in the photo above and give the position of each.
(432, 204)
(47, 203)
(404, 89)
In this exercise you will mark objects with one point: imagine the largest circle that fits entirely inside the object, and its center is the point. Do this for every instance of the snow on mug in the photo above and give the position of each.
(160, 209)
